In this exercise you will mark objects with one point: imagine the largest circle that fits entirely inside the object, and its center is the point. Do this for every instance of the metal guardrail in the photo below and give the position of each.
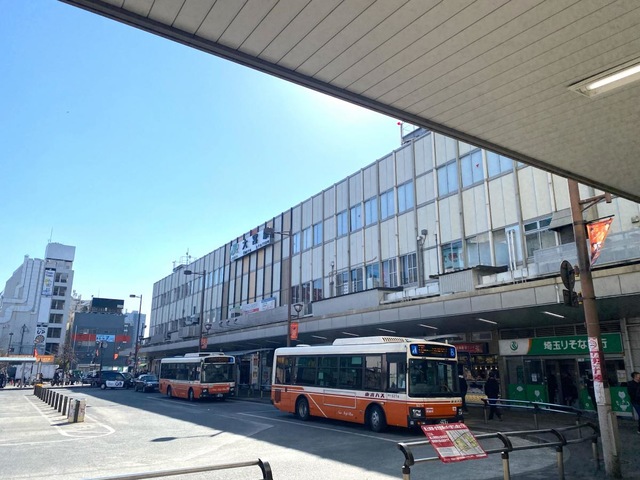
(508, 447)
(538, 408)
(264, 466)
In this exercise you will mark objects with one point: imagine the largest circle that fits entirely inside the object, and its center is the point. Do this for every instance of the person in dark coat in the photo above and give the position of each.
(492, 391)
(463, 392)
(633, 388)
(552, 387)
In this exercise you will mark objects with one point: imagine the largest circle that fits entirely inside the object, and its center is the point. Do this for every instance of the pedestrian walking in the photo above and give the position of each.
(492, 391)
(633, 387)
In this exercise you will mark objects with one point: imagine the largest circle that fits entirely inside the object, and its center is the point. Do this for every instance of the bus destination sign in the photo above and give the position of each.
(432, 350)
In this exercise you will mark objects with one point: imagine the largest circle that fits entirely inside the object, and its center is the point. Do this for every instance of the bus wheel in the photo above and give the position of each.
(302, 409)
(169, 392)
(376, 420)
(191, 396)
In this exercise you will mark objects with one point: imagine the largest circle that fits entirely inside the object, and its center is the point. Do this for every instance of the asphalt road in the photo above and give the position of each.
(132, 432)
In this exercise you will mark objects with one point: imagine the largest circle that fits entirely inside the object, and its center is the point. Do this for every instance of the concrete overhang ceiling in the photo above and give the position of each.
(493, 73)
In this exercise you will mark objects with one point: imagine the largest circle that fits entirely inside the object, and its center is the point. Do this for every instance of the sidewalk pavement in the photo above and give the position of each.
(578, 461)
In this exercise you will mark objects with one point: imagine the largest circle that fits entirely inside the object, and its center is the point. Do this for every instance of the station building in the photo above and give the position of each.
(437, 239)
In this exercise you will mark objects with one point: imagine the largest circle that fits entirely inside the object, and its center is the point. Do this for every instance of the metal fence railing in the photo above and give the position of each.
(537, 409)
(264, 467)
(545, 438)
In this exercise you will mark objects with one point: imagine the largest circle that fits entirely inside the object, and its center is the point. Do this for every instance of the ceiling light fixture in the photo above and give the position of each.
(385, 330)
(318, 336)
(427, 326)
(486, 321)
(609, 80)
(351, 334)
(551, 314)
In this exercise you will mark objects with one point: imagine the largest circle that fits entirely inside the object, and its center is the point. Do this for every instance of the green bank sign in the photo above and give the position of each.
(570, 345)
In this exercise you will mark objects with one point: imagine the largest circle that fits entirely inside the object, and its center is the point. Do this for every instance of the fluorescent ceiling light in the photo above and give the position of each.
(611, 79)
(551, 314)
(318, 336)
(427, 326)
(385, 330)
(486, 321)
(352, 334)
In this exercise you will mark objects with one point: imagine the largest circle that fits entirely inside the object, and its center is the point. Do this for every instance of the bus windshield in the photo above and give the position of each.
(432, 378)
(216, 373)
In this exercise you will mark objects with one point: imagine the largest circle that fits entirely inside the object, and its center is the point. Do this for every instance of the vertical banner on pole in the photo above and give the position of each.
(294, 331)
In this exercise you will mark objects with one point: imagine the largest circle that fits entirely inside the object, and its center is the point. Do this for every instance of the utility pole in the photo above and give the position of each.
(607, 419)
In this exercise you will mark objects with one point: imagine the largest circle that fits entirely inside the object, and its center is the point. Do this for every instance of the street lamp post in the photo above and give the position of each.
(23, 329)
(203, 274)
(606, 416)
(270, 231)
(137, 334)
(421, 239)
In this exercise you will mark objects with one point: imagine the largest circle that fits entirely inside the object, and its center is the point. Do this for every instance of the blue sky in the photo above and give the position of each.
(135, 149)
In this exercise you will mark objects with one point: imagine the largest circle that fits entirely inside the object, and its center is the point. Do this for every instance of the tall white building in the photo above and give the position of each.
(34, 306)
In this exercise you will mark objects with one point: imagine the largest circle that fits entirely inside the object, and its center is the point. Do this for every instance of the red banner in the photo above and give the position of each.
(597, 232)
(294, 331)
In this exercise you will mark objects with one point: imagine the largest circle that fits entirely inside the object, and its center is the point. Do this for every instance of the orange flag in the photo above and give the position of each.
(597, 233)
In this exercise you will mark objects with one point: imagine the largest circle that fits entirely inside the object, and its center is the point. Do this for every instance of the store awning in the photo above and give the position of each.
(19, 359)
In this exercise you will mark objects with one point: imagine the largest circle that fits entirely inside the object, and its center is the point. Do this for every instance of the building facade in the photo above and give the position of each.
(438, 238)
(34, 308)
(102, 336)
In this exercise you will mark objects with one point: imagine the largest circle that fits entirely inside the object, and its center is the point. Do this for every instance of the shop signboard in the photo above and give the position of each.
(567, 345)
(453, 442)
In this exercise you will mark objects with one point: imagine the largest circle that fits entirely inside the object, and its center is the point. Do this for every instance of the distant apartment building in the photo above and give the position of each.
(35, 303)
(102, 336)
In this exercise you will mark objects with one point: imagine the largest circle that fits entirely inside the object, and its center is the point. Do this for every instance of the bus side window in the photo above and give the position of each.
(373, 373)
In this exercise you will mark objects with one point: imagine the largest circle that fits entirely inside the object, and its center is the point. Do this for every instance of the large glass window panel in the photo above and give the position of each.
(317, 290)
(373, 276)
(452, 256)
(296, 242)
(356, 218)
(497, 164)
(342, 283)
(317, 234)
(478, 250)
(409, 269)
(342, 223)
(306, 238)
(371, 211)
(447, 179)
(405, 197)
(387, 205)
(471, 168)
(357, 281)
(389, 273)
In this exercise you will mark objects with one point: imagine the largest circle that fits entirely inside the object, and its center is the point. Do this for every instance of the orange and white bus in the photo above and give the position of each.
(376, 381)
(198, 375)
